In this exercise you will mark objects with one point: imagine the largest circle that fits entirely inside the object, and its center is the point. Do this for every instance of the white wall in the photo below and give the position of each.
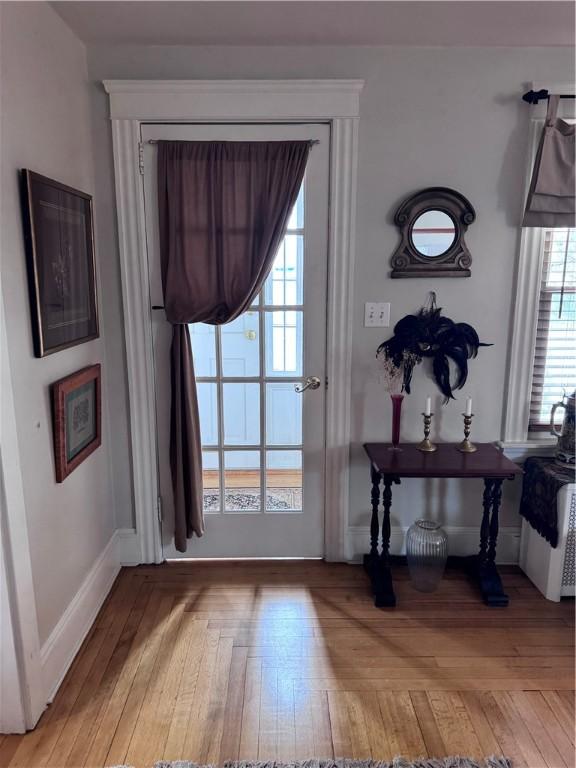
(46, 126)
(429, 116)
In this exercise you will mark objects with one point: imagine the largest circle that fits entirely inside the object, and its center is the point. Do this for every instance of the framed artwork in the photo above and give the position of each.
(76, 405)
(60, 255)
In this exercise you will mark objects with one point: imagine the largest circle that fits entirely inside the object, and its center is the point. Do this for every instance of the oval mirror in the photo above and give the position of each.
(433, 232)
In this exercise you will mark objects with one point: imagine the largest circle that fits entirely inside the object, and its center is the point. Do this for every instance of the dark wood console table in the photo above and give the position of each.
(390, 466)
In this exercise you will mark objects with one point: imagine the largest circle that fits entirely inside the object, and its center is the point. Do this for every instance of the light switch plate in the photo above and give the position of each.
(376, 314)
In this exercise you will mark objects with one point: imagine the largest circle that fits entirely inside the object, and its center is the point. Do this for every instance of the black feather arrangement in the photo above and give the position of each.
(429, 334)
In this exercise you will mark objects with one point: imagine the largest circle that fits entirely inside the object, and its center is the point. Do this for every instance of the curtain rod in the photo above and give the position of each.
(533, 97)
(155, 141)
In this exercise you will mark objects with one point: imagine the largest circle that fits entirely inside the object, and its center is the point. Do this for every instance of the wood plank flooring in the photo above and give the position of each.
(284, 660)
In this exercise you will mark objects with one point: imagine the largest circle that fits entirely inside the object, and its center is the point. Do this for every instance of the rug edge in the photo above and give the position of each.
(455, 761)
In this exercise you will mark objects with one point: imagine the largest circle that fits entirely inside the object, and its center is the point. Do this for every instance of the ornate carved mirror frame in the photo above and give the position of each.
(408, 261)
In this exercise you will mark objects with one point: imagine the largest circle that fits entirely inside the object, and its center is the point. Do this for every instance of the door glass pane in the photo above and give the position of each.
(241, 346)
(241, 414)
(284, 343)
(208, 409)
(242, 481)
(283, 481)
(203, 338)
(284, 283)
(283, 414)
(296, 220)
(211, 481)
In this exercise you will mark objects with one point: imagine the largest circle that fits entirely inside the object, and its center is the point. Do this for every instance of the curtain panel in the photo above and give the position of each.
(551, 201)
(223, 211)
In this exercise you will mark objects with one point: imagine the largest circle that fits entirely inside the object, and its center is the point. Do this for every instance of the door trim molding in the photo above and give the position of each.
(231, 100)
(138, 334)
(341, 260)
(22, 695)
(335, 102)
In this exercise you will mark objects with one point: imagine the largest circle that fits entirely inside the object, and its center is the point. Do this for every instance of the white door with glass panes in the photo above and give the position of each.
(262, 438)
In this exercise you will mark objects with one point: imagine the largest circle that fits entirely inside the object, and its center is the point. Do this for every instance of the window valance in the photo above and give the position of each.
(551, 201)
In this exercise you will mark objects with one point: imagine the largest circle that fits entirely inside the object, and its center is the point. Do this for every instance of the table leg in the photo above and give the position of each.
(386, 530)
(377, 565)
(484, 564)
(375, 476)
(485, 526)
(493, 537)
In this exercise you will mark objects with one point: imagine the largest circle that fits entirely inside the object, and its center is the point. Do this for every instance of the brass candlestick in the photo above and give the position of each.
(466, 446)
(426, 444)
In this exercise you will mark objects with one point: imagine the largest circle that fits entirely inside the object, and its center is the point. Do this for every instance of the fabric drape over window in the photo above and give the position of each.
(223, 211)
(551, 200)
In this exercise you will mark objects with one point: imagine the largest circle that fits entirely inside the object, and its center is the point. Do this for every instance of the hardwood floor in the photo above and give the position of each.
(212, 661)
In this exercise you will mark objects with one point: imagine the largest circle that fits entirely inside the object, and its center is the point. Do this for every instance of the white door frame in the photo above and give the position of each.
(23, 696)
(133, 102)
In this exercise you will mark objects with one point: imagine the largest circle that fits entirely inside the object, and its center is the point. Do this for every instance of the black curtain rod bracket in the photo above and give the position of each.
(533, 97)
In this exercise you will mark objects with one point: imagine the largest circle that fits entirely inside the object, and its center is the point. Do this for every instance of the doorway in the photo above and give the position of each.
(261, 378)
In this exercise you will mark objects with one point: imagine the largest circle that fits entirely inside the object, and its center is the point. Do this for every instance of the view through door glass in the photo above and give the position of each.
(262, 440)
(252, 445)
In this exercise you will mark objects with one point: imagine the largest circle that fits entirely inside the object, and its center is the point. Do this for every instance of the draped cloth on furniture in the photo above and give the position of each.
(542, 480)
(551, 200)
(223, 211)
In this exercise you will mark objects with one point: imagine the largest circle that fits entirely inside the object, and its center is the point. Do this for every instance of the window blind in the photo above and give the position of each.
(554, 370)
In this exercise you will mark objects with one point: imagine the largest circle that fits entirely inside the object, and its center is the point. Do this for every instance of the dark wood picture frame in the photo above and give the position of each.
(59, 236)
(77, 417)
(407, 261)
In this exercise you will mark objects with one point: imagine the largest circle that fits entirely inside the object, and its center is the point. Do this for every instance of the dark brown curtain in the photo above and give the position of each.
(223, 210)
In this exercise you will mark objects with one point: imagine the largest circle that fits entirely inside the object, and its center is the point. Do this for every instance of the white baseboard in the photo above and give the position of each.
(59, 650)
(128, 549)
(461, 541)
